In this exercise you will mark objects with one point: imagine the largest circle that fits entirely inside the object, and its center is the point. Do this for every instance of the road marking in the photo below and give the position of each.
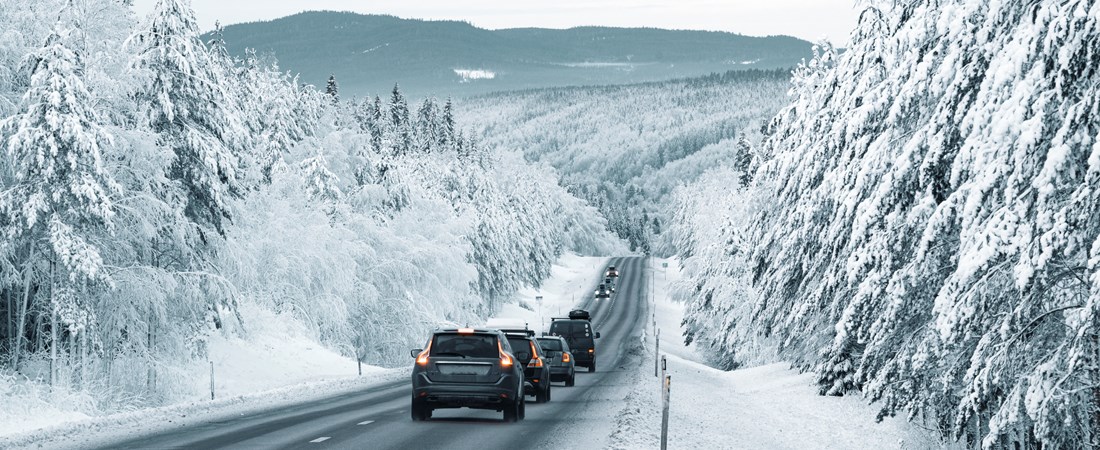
(366, 423)
(320, 440)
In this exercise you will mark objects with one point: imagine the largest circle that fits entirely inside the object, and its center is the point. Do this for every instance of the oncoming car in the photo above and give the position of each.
(611, 272)
(467, 368)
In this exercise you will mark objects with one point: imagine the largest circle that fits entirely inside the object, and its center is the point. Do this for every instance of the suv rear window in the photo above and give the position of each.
(571, 328)
(468, 345)
(550, 345)
(519, 344)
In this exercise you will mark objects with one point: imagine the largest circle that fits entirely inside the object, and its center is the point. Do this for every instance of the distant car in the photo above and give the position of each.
(562, 365)
(611, 272)
(536, 372)
(468, 368)
(610, 283)
(577, 332)
(602, 291)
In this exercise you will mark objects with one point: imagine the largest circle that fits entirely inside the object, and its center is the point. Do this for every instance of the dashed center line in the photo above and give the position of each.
(366, 423)
(320, 440)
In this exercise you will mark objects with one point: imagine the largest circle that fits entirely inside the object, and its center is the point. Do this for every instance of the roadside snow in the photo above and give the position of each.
(100, 431)
(769, 406)
(278, 361)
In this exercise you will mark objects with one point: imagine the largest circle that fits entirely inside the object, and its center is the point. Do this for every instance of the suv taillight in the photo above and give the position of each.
(505, 358)
(535, 362)
(422, 358)
(565, 357)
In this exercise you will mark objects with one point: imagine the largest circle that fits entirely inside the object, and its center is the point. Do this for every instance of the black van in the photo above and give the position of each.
(577, 331)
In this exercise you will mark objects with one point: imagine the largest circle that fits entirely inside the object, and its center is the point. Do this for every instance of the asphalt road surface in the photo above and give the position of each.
(582, 416)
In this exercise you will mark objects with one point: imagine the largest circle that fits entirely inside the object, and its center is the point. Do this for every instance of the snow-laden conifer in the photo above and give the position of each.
(192, 111)
(931, 236)
(61, 188)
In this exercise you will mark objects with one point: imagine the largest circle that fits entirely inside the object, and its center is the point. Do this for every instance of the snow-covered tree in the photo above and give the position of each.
(332, 90)
(930, 235)
(429, 131)
(191, 111)
(61, 196)
(400, 122)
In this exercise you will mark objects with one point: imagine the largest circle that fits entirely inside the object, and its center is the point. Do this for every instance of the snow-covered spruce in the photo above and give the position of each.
(932, 230)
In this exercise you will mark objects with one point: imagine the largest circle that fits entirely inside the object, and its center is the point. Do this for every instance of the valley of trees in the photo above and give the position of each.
(915, 219)
(151, 185)
(924, 227)
(624, 148)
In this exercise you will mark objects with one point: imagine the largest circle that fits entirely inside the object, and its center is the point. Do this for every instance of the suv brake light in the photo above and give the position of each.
(565, 357)
(505, 358)
(422, 358)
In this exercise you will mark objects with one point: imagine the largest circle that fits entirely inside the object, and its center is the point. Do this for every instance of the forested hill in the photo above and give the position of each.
(369, 53)
(624, 148)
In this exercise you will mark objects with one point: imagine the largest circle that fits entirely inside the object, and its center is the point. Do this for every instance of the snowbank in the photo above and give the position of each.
(769, 406)
(277, 360)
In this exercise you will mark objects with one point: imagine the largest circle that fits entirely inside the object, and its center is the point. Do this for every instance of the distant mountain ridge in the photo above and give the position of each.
(369, 53)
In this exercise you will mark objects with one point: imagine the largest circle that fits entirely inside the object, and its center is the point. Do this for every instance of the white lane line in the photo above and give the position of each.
(320, 440)
(366, 423)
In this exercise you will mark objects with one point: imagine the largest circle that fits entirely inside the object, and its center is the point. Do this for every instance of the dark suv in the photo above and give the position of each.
(577, 331)
(530, 355)
(467, 368)
(560, 359)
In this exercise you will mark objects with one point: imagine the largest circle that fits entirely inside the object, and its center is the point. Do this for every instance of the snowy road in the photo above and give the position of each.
(583, 416)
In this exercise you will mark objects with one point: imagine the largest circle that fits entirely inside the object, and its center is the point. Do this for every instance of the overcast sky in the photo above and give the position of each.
(807, 19)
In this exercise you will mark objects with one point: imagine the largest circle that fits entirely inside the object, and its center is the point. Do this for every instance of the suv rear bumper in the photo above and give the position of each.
(454, 395)
(584, 359)
(535, 380)
(559, 373)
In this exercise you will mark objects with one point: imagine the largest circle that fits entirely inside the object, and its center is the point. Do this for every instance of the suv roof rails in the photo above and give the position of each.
(526, 332)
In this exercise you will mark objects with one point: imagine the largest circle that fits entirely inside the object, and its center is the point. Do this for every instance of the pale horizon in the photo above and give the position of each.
(805, 19)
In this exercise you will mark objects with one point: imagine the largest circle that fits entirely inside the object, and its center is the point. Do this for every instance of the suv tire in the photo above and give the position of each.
(569, 382)
(420, 410)
(543, 395)
(515, 410)
(592, 367)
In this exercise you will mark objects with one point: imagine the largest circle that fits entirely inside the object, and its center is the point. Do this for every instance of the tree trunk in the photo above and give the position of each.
(53, 328)
(18, 349)
(8, 324)
(83, 359)
(150, 352)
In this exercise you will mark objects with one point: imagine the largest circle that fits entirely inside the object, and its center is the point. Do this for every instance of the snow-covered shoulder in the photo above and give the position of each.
(770, 406)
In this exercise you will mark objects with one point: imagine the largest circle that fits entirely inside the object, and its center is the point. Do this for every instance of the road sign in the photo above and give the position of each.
(538, 299)
(664, 264)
